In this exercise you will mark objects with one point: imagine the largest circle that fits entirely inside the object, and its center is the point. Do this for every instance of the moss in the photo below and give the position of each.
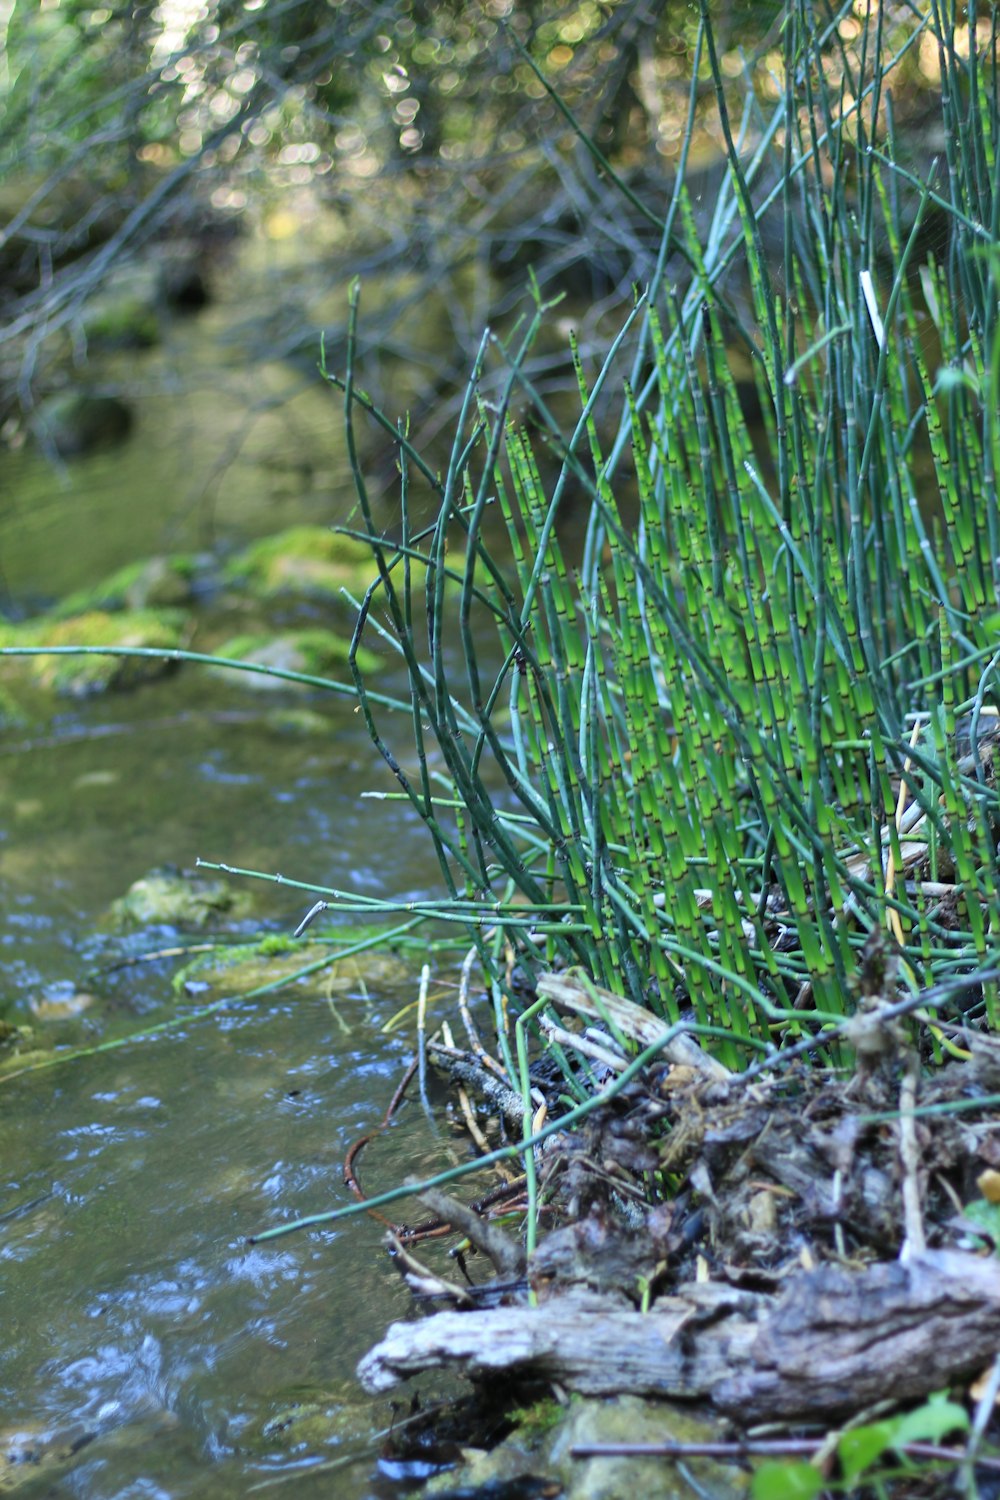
(274, 943)
(313, 1423)
(540, 1417)
(246, 966)
(169, 898)
(303, 560)
(315, 653)
(297, 723)
(546, 1435)
(20, 1048)
(79, 676)
(311, 560)
(150, 583)
(11, 1034)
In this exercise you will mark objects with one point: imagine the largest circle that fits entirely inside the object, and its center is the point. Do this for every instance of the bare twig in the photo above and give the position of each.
(422, 1281)
(761, 1448)
(505, 1254)
(915, 1242)
(425, 977)
(581, 1044)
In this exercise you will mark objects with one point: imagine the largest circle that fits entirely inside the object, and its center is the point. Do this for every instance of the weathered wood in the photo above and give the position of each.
(833, 1342)
(567, 992)
(503, 1250)
(837, 1341)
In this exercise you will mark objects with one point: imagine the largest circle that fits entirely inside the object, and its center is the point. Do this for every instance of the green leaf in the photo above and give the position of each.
(986, 1215)
(932, 1421)
(785, 1481)
(860, 1448)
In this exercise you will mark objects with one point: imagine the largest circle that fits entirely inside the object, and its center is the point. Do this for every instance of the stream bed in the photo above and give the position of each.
(147, 1348)
(143, 1338)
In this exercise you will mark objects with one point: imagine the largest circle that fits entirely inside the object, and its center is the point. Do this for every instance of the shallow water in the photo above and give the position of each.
(145, 1347)
(136, 1319)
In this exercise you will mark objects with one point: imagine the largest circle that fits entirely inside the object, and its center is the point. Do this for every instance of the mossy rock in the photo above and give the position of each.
(127, 322)
(545, 1449)
(308, 1417)
(246, 967)
(80, 676)
(170, 898)
(165, 582)
(20, 1048)
(314, 653)
(293, 724)
(12, 715)
(311, 561)
(76, 422)
(61, 1001)
(13, 1036)
(307, 560)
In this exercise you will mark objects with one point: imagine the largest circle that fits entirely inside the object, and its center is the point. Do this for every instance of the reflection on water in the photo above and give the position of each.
(146, 1348)
(129, 1295)
(143, 1337)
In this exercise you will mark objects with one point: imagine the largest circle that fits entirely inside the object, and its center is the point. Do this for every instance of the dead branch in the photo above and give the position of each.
(833, 1341)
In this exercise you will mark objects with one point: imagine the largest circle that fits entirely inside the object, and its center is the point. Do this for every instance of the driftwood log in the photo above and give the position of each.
(832, 1342)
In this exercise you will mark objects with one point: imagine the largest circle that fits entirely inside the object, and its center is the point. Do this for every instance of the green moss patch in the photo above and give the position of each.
(248, 966)
(306, 560)
(314, 653)
(297, 723)
(169, 898)
(150, 583)
(78, 676)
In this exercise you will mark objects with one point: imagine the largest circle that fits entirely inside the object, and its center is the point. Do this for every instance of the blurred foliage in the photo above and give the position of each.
(428, 127)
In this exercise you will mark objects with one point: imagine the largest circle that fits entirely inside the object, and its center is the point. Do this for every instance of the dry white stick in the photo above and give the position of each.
(580, 1044)
(635, 1023)
(425, 979)
(915, 1243)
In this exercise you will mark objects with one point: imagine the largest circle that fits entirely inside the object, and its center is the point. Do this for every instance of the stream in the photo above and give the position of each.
(147, 1348)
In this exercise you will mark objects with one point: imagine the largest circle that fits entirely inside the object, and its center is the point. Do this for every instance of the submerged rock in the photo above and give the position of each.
(314, 653)
(77, 676)
(19, 1048)
(170, 898)
(162, 582)
(61, 1001)
(296, 723)
(249, 965)
(314, 1421)
(77, 422)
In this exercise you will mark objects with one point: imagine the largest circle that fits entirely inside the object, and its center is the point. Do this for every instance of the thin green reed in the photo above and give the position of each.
(677, 764)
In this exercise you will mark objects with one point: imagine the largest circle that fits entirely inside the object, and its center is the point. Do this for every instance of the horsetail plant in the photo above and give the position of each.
(725, 743)
(706, 740)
